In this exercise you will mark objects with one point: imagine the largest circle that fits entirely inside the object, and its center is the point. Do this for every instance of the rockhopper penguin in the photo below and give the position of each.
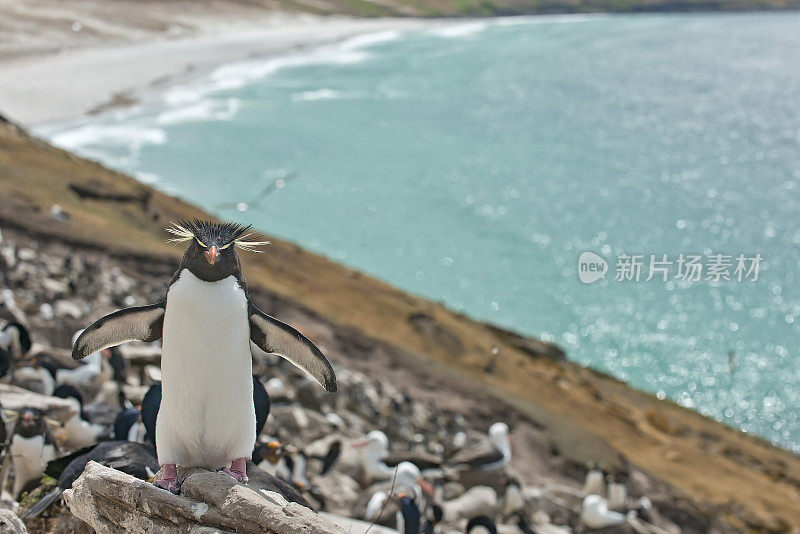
(206, 323)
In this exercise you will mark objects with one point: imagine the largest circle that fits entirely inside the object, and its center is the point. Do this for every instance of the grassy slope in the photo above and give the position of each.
(427, 8)
(589, 416)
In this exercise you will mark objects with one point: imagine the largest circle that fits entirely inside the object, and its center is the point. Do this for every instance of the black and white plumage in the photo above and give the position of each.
(6, 362)
(410, 518)
(31, 447)
(48, 361)
(383, 502)
(330, 457)
(484, 463)
(206, 323)
(293, 464)
(15, 343)
(35, 378)
(66, 391)
(149, 408)
(263, 480)
(125, 425)
(152, 402)
(261, 404)
(424, 460)
(139, 323)
(119, 365)
(77, 432)
(88, 374)
(481, 525)
(379, 463)
(492, 454)
(15, 339)
(3, 432)
(595, 513)
(132, 458)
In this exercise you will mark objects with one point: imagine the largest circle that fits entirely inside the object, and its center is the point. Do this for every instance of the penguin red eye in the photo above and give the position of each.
(196, 249)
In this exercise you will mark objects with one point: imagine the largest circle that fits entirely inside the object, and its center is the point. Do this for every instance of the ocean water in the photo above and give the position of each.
(475, 162)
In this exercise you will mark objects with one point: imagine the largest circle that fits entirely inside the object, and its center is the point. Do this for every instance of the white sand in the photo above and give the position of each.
(70, 72)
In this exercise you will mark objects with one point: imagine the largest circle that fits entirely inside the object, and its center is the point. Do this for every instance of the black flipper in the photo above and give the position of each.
(273, 336)
(56, 466)
(141, 323)
(151, 404)
(334, 451)
(262, 404)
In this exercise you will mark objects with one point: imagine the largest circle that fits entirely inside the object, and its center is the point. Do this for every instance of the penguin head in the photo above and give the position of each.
(481, 525)
(407, 475)
(498, 435)
(31, 423)
(211, 251)
(376, 444)
(67, 391)
(14, 337)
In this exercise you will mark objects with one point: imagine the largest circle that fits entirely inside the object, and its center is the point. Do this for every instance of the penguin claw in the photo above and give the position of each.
(172, 486)
(238, 478)
(169, 479)
(237, 470)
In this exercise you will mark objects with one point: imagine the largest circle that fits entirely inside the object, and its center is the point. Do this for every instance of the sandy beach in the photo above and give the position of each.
(96, 57)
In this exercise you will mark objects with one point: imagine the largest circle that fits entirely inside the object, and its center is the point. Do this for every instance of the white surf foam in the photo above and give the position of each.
(549, 19)
(318, 94)
(203, 110)
(147, 177)
(87, 135)
(457, 31)
(350, 51)
(369, 39)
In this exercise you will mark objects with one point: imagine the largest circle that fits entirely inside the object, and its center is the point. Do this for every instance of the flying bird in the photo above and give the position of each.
(276, 184)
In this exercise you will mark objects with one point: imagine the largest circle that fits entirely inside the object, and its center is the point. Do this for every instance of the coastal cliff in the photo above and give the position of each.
(716, 477)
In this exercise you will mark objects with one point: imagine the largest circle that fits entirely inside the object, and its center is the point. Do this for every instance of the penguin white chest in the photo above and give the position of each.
(207, 416)
(30, 456)
(205, 323)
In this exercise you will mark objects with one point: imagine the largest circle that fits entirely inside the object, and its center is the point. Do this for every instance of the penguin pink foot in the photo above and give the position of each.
(237, 470)
(169, 479)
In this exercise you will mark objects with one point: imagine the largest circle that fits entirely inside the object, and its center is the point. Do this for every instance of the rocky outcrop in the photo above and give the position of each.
(98, 190)
(16, 398)
(112, 502)
(10, 523)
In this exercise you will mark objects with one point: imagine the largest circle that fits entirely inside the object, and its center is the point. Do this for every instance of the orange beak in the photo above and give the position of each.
(212, 255)
(425, 486)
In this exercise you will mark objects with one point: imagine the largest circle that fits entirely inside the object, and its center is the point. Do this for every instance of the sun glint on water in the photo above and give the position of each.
(475, 163)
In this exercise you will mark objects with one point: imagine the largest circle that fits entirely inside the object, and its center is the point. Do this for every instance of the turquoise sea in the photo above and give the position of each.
(475, 162)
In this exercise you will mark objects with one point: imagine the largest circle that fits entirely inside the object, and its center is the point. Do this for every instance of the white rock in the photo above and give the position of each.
(54, 287)
(67, 308)
(46, 311)
(15, 398)
(111, 502)
(26, 254)
(10, 523)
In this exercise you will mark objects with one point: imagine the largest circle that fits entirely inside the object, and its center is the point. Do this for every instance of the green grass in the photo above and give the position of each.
(32, 497)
